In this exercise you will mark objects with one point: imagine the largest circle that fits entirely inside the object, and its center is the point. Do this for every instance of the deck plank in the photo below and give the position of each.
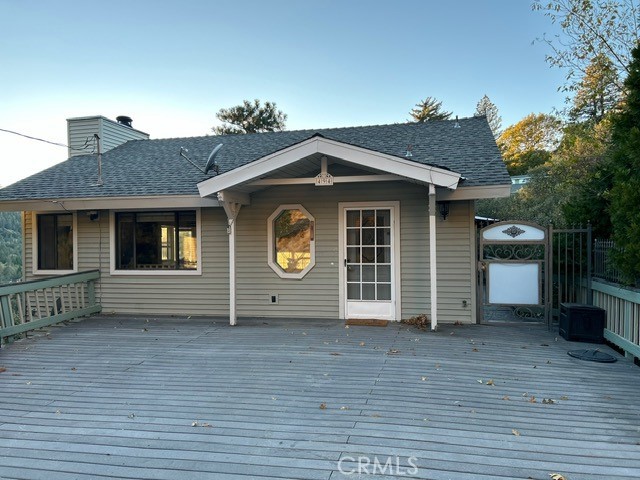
(116, 397)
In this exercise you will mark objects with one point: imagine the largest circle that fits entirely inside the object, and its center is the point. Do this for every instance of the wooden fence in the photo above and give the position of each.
(623, 314)
(39, 303)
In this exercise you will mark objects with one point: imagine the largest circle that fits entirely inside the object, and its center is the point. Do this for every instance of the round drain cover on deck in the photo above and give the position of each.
(592, 356)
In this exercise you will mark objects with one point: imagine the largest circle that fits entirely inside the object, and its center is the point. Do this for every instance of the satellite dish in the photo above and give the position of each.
(211, 161)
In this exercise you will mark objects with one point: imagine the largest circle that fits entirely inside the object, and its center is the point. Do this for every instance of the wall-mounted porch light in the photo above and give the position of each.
(443, 208)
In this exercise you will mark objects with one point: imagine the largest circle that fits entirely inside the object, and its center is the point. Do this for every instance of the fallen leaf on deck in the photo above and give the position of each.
(145, 329)
(274, 398)
(556, 476)
(376, 415)
(362, 344)
(393, 351)
(194, 424)
(548, 362)
(323, 406)
(424, 379)
(132, 415)
(335, 354)
(437, 366)
(515, 432)
(73, 369)
(490, 382)
(533, 399)
(480, 381)
(525, 394)
(548, 401)
(475, 350)
(28, 383)
(506, 397)
(344, 408)
(2, 369)
(564, 397)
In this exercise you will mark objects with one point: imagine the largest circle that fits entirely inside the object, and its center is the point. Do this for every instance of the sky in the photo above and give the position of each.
(172, 65)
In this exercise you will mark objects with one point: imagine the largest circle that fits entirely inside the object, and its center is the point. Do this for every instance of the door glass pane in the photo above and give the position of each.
(384, 255)
(368, 291)
(383, 218)
(353, 255)
(353, 291)
(353, 218)
(368, 273)
(368, 255)
(353, 273)
(368, 236)
(384, 273)
(46, 242)
(368, 218)
(125, 243)
(353, 236)
(383, 236)
(384, 291)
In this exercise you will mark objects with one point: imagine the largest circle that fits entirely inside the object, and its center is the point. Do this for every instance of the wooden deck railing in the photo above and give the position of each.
(40, 303)
(623, 314)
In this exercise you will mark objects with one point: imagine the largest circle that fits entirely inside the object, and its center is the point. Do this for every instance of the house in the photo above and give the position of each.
(330, 223)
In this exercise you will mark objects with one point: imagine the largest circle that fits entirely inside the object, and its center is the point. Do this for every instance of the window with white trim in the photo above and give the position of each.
(55, 241)
(291, 241)
(162, 240)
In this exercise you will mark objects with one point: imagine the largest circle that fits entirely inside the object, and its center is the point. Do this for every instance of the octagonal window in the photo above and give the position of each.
(291, 241)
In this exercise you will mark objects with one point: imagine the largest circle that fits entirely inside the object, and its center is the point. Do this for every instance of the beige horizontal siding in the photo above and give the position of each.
(206, 294)
(314, 296)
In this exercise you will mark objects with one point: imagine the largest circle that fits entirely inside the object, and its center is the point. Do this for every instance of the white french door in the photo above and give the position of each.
(369, 250)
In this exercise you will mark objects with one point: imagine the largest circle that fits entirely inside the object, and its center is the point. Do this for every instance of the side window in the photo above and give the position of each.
(291, 241)
(55, 241)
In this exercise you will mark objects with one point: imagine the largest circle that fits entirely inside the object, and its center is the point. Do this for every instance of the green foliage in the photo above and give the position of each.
(487, 108)
(598, 92)
(10, 247)
(428, 109)
(625, 190)
(529, 143)
(250, 118)
(590, 29)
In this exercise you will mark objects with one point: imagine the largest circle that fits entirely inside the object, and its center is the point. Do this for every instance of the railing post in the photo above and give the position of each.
(5, 307)
(589, 264)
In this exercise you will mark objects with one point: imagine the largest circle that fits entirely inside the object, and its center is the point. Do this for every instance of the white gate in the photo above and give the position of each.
(513, 272)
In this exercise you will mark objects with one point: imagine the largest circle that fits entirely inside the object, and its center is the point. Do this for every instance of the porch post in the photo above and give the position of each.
(231, 209)
(432, 257)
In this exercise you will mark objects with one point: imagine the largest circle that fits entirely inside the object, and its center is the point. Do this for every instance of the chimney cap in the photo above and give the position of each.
(124, 120)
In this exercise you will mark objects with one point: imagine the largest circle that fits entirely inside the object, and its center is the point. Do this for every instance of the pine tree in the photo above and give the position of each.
(598, 93)
(250, 118)
(428, 109)
(487, 108)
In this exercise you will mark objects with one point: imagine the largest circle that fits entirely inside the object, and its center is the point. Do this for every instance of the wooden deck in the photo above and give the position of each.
(173, 399)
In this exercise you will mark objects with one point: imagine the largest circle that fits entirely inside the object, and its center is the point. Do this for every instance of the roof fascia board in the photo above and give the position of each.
(109, 203)
(349, 153)
(474, 193)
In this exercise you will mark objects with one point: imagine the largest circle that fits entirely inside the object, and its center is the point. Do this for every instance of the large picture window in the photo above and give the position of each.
(156, 240)
(55, 241)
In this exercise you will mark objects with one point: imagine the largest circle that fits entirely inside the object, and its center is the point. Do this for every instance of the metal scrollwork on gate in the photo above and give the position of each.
(513, 272)
(513, 231)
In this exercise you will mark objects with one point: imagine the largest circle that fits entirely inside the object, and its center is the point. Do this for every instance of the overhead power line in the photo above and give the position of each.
(84, 147)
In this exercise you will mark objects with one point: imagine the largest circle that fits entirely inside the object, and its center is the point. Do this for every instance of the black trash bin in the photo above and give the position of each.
(582, 323)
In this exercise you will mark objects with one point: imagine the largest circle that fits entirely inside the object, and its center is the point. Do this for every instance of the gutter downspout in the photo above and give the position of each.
(433, 281)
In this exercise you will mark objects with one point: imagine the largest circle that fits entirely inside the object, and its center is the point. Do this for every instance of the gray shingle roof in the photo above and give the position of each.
(154, 167)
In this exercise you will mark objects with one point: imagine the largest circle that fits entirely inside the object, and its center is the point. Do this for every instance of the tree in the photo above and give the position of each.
(590, 29)
(625, 190)
(598, 92)
(487, 108)
(529, 142)
(429, 109)
(250, 118)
